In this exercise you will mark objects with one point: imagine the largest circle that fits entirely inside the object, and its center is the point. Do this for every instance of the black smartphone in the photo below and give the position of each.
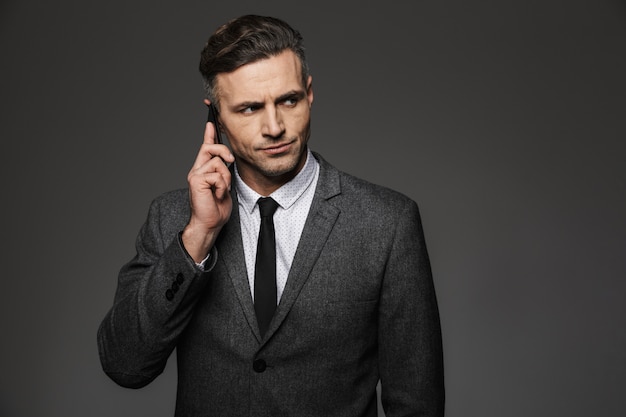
(212, 117)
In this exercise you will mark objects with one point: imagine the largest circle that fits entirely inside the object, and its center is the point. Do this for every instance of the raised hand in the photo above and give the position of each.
(209, 195)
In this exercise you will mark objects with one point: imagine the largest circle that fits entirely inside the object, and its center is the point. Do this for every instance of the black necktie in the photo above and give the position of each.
(265, 269)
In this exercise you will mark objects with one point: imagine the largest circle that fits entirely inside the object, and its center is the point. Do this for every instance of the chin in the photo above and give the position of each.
(278, 171)
(283, 167)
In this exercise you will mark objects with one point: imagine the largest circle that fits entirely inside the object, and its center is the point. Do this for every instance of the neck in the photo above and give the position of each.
(265, 183)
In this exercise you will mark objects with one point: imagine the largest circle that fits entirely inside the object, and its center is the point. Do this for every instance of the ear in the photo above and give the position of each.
(309, 90)
(207, 102)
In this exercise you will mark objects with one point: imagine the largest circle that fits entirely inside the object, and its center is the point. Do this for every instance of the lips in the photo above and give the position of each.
(277, 149)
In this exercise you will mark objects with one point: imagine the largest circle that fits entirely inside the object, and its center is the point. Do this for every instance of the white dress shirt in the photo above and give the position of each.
(294, 200)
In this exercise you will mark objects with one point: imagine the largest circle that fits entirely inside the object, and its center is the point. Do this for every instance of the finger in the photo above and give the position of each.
(209, 183)
(209, 133)
(205, 153)
(216, 183)
(221, 188)
(213, 165)
(210, 150)
(212, 158)
(216, 165)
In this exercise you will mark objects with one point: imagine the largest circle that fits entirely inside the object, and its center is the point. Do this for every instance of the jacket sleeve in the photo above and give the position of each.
(155, 298)
(410, 342)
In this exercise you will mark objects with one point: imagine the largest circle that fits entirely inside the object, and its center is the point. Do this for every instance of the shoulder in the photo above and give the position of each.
(351, 191)
(171, 206)
(178, 197)
(361, 189)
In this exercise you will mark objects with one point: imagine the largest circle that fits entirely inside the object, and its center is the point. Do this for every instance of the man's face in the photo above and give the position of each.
(265, 112)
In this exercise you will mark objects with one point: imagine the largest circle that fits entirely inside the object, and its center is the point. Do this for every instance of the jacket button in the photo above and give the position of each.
(180, 278)
(169, 294)
(259, 365)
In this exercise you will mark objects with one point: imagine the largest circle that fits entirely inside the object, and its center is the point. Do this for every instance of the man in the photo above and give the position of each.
(351, 299)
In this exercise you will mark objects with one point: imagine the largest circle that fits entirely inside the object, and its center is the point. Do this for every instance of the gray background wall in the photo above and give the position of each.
(505, 121)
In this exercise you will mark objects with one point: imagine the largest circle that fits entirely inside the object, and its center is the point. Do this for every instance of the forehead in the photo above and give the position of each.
(262, 79)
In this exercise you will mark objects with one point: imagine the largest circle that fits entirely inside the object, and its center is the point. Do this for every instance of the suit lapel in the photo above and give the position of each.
(230, 250)
(319, 224)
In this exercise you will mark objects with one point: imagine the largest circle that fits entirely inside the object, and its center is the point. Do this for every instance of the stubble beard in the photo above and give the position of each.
(292, 167)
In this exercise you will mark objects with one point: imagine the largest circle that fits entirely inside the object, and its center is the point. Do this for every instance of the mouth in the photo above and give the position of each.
(277, 148)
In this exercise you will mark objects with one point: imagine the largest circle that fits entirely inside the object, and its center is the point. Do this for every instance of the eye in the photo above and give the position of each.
(249, 109)
(291, 101)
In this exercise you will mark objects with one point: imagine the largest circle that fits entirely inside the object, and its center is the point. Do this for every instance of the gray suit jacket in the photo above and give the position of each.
(359, 305)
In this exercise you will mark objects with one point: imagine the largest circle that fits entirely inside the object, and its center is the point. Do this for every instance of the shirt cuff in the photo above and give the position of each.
(203, 262)
(204, 265)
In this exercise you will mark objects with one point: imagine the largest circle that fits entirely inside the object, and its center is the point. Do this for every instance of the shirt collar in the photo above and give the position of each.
(287, 194)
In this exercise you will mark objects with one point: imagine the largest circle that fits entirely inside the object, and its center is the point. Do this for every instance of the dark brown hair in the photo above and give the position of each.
(244, 40)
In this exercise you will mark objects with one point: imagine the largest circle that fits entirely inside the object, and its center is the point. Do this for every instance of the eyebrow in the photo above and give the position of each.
(297, 94)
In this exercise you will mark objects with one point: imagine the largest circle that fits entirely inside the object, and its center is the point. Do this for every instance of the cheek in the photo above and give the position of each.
(242, 136)
(299, 120)
(239, 147)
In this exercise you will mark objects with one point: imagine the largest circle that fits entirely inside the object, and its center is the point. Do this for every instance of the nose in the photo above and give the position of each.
(273, 125)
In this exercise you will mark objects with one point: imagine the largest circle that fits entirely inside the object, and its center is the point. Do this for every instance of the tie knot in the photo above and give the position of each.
(267, 206)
